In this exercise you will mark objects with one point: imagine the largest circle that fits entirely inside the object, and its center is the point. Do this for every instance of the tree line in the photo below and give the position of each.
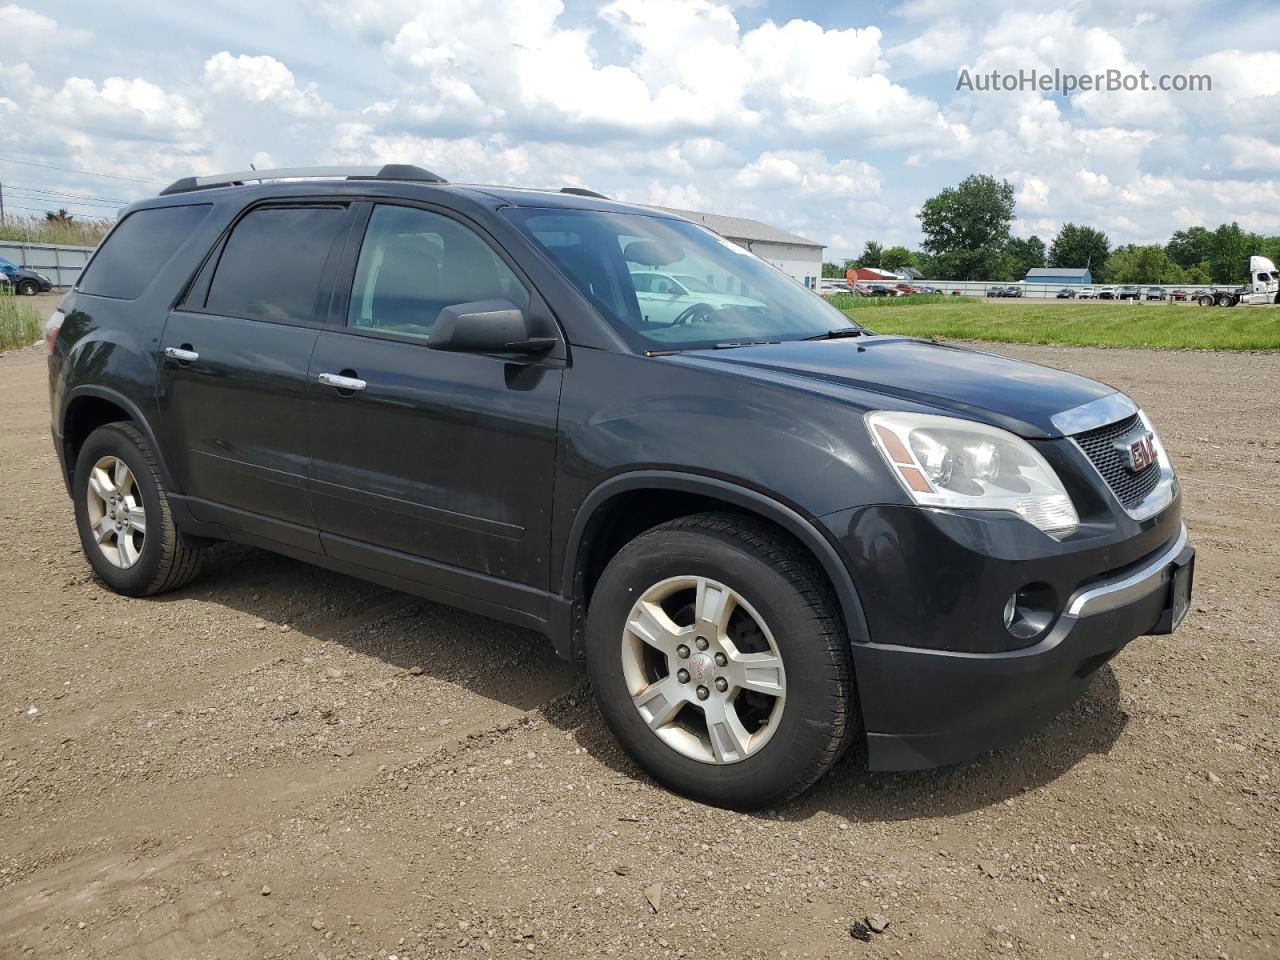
(966, 237)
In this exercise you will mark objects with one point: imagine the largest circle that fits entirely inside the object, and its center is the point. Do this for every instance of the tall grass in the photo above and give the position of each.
(20, 325)
(853, 301)
(80, 233)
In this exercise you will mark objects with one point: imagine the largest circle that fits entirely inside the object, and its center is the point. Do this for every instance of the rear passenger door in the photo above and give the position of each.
(439, 467)
(234, 362)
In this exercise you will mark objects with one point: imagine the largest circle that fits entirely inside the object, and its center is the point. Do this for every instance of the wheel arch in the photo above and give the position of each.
(594, 536)
(90, 406)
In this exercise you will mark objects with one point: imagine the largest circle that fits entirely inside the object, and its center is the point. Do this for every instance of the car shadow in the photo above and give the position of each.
(518, 667)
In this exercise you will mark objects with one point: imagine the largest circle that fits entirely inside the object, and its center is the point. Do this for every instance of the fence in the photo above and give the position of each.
(1042, 291)
(60, 263)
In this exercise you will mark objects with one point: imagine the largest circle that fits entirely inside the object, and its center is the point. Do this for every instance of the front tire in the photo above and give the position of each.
(123, 515)
(28, 288)
(719, 662)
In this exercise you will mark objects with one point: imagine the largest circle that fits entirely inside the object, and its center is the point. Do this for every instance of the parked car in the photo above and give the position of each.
(1155, 293)
(906, 289)
(25, 282)
(682, 298)
(1088, 293)
(1013, 290)
(1106, 293)
(1067, 293)
(999, 291)
(1128, 292)
(738, 519)
(882, 290)
(1178, 295)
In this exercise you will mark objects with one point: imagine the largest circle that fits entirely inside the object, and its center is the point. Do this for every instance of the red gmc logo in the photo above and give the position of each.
(1142, 452)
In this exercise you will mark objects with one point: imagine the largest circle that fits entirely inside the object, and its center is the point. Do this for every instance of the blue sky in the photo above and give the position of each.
(834, 120)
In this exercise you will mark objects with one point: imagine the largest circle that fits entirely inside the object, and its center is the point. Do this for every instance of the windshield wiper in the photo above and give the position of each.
(841, 333)
(727, 345)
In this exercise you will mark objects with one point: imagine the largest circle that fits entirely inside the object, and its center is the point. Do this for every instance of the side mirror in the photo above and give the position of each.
(486, 326)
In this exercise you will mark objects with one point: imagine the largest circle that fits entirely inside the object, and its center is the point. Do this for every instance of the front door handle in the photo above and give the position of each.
(340, 382)
(181, 354)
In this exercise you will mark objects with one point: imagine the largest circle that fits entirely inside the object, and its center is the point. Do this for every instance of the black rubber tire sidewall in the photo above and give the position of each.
(28, 288)
(803, 739)
(139, 579)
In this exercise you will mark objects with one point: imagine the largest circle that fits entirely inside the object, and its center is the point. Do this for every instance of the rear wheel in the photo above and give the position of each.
(1226, 300)
(717, 657)
(1206, 300)
(123, 516)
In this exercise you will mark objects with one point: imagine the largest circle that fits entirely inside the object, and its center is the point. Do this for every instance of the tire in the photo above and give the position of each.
(1206, 300)
(27, 288)
(784, 610)
(133, 563)
(1226, 300)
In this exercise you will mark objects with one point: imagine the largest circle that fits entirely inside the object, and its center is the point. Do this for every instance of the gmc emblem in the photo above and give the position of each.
(1142, 452)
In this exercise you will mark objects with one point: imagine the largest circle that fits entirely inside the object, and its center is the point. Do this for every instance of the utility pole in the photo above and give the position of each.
(1, 203)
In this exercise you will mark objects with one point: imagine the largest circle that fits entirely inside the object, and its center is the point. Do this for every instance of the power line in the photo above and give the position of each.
(52, 196)
(91, 173)
(85, 196)
(9, 207)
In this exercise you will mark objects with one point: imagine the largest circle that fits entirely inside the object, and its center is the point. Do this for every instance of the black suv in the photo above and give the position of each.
(768, 531)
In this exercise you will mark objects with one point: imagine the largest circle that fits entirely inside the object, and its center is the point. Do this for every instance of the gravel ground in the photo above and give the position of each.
(282, 762)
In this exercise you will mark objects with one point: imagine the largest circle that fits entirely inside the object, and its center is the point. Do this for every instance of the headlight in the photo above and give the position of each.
(948, 462)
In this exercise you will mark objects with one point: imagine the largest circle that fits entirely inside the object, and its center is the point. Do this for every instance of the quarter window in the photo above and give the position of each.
(273, 264)
(138, 248)
(414, 263)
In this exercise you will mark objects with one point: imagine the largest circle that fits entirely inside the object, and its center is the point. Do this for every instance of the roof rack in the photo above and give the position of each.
(388, 171)
(583, 192)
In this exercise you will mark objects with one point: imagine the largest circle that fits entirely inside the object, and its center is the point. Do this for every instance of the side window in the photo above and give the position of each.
(643, 282)
(414, 263)
(138, 248)
(273, 263)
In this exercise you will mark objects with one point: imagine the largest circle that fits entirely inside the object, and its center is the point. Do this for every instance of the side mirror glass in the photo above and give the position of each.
(486, 326)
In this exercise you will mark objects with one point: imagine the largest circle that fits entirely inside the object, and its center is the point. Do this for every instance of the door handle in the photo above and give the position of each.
(340, 382)
(181, 354)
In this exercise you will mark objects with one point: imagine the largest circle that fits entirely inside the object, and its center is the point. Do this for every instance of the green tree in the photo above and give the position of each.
(872, 253)
(1022, 255)
(1196, 273)
(1149, 264)
(1188, 247)
(59, 216)
(832, 270)
(1081, 247)
(895, 258)
(966, 226)
(1229, 252)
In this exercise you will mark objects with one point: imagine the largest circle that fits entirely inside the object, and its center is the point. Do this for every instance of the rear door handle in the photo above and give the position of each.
(340, 382)
(181, 355)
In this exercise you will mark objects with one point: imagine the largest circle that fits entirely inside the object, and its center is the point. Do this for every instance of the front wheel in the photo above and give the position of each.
(28, 288)
(123, 515)
(717, 657)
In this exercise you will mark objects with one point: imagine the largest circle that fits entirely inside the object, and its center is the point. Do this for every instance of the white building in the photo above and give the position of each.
(792, 254)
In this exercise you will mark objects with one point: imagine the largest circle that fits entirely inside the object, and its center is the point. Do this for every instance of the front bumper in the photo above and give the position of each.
(928, 707)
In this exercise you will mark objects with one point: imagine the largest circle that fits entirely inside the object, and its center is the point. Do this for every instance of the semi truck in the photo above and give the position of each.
(1263, 287)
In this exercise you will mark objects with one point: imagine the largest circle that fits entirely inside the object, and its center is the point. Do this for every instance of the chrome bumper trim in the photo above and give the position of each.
(1135, 586)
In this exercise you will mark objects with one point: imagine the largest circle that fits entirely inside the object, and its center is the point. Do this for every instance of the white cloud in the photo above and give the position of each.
(35, 32)
(261, 80)
(127, 109)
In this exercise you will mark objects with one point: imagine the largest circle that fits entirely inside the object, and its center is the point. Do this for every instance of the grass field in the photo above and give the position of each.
(20, 325)
(1078, 324)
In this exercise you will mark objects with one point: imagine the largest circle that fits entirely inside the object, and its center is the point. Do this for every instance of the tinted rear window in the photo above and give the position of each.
(138, 248)
(273, 263)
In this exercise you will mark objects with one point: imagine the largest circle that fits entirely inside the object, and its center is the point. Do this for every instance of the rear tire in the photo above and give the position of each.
(123, 515)
(742, 701)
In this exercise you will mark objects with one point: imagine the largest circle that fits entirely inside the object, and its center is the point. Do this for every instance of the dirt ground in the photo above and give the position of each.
(282, 762)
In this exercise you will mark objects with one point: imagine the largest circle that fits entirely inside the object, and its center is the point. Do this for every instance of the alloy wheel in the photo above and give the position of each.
(703, 669)
(117, 519)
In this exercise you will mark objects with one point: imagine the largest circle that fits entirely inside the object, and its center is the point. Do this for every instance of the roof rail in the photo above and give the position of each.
(583, 192)
(388, 171)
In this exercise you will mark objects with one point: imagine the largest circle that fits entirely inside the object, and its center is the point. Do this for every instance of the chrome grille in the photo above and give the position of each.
(1099, 446)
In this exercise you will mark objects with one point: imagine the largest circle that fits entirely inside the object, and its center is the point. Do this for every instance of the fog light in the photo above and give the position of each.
(1030, 611)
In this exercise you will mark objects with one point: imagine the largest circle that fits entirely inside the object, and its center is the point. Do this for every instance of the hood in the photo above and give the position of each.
(1012, 394)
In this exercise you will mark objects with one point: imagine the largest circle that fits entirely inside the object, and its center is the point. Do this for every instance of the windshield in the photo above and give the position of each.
(622, 264)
